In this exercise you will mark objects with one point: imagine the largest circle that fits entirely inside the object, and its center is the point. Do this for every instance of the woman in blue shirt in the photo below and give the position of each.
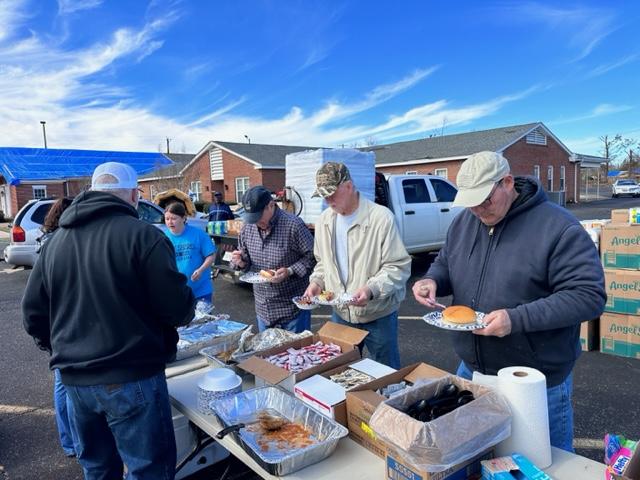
(194, 251)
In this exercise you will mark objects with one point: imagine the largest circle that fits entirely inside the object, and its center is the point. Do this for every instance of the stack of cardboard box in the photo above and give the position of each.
(620, 251)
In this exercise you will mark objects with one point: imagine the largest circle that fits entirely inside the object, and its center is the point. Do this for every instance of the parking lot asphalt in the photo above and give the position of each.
(605, 387)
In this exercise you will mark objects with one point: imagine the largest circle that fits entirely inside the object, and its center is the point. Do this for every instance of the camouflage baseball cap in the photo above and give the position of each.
(329, 177)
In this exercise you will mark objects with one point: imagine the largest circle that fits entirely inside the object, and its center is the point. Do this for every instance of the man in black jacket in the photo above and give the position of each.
(531, 267)
(104, 299)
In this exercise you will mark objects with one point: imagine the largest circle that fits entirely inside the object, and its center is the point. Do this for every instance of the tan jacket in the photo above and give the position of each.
(377, 258)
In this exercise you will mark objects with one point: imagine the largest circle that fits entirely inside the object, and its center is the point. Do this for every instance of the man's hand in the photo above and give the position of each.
(312, 290)
(281, 275)
(236, 259)
(424, 292)
(498, 324)
(361, 296)
(196, 275)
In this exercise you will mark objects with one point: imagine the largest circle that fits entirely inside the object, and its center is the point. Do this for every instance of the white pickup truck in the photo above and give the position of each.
(422, 205)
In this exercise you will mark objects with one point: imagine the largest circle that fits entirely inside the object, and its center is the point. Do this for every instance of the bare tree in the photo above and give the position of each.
(370, 141)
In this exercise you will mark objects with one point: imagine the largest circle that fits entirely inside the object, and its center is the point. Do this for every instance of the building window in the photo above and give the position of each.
(536, 138)
(411, 172)
(39, 191)
(536, 171)
(195, 190)
(242, 185)
(550, 178)
(153, 191)
(441, 172)
(562, 182)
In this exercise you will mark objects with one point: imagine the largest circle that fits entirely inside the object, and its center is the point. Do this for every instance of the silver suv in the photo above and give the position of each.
(26, 228)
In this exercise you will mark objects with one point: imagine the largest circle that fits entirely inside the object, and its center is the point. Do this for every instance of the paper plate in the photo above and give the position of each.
(304, 306)
(343, 299)
(254, 277)
(435, 319)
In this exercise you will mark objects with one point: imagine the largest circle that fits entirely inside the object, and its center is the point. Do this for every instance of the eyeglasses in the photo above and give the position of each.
(487, 201)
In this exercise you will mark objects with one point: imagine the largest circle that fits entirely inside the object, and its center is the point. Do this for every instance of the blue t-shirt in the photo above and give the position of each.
(192, 246)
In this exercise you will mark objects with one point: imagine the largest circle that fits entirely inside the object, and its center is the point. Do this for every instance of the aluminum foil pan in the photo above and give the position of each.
(325, 432)
(224, 334)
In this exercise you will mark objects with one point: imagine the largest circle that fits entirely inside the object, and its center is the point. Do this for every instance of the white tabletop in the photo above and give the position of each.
(184, 366)
(350, 460)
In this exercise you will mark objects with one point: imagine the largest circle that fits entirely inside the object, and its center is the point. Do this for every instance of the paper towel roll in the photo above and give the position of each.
(526, 391)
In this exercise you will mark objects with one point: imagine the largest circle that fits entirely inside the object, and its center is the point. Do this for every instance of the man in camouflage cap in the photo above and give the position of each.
(329, 177)
(360, 253)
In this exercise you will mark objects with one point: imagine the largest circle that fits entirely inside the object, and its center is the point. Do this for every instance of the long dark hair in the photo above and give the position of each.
(55, 212)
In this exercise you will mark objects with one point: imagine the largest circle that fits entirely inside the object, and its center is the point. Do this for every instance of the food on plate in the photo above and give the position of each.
(304, 301)
(459, 314)
(267, 273)
(326, 296)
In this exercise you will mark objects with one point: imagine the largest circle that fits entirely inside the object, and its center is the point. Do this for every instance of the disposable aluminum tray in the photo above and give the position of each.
(223, 334)
(325, 431)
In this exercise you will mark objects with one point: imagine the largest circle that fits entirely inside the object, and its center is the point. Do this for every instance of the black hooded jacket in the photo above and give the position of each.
(105, 296)
(540, 265)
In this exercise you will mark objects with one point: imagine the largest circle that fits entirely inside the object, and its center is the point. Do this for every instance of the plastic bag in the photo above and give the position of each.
(450, 439)
(272, 337)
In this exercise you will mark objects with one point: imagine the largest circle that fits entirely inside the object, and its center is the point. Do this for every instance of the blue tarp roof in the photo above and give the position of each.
(29, 164)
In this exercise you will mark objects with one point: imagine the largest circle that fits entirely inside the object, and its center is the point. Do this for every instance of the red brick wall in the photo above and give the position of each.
(200, 170)
(523, 156)
(235, 167)
(273, 179)
(423, 169)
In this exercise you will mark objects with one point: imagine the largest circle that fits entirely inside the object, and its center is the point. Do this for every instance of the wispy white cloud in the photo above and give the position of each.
(598, 111)
(584, 27)
(66, 7)
(607, 67)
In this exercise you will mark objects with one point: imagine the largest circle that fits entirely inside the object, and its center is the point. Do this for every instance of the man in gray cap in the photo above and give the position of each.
(104, 299)
(531, 268)
(279, 244)
(360, 252)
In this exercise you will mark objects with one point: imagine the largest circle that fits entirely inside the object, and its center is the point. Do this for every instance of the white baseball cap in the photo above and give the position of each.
(477, 176)
(126, 177)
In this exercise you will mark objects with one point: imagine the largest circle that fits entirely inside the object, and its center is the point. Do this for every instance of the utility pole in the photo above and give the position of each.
(168, 140)
(248, 139)
(44, 133)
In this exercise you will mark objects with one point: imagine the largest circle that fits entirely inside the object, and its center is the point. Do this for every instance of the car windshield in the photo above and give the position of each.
(626, 182)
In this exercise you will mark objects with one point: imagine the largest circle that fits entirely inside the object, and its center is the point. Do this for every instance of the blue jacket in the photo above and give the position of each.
(541, 266)
(219, 212)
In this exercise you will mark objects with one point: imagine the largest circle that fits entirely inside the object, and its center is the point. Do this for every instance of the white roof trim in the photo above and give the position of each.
(211, 144)
(422, 161)
(268, 168)
(547, 131)
(158, 178)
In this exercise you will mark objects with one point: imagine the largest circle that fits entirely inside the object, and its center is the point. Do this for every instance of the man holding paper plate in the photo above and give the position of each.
(531, 268)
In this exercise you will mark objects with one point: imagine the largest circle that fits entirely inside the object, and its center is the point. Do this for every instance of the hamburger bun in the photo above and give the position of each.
(458, 314)
(267, 273)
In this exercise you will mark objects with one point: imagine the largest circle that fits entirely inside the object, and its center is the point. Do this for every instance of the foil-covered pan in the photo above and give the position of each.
(286, 458)
(223, 334)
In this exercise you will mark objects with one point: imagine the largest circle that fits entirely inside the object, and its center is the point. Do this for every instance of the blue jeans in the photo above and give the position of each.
(298, 324)
(128, 422)
(382, 341)
(560, 410)
(62, 415)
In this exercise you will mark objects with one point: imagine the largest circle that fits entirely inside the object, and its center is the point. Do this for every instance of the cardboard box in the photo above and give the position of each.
(620, 246)
(620, 215)
(348, 338)
(623, 291)
(329, 398)
(590, 335)
(363, 400)
(620, 335)
(512, 468)
(399, 469)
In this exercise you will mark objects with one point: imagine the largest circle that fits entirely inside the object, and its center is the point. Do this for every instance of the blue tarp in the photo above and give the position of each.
(614, 173)
(29, 164)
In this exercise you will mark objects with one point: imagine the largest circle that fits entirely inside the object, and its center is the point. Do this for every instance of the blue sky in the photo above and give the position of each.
(124, 75)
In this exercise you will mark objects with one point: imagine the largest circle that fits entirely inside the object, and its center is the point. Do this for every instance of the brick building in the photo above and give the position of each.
(532, 149)
(31, 173)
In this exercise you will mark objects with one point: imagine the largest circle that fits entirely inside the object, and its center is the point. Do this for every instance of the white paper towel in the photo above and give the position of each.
(526, 391)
